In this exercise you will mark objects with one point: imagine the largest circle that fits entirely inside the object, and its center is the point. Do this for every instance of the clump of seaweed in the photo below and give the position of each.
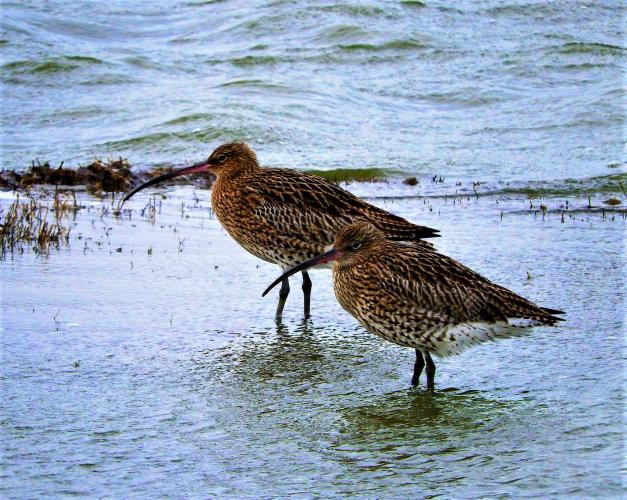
(347, 175)
(613, 201)
(410, 181)
(32, 222)
(113, 176)
(98, 176)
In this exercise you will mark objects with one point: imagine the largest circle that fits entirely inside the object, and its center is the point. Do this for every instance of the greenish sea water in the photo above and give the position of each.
(493, 91)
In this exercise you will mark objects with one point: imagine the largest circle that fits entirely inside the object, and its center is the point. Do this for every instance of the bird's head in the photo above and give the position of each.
(356, 239)
(228, 159)
(352, 242)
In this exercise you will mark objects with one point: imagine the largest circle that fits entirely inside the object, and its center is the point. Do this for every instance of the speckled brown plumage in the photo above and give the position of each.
(416, 297)
(285, 216)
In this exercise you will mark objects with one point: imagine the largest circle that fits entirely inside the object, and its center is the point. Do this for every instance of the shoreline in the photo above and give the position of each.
(42, 217)
(100, 178)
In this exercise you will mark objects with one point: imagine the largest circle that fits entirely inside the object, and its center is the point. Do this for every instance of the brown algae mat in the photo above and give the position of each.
(98, 177)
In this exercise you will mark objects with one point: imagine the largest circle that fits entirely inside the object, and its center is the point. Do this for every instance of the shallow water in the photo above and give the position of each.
(511, 91)
(125, 373)
(141, 360)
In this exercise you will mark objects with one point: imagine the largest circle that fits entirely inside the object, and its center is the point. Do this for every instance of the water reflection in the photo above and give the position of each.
(296, 353)
(414, 411)
(300, 364)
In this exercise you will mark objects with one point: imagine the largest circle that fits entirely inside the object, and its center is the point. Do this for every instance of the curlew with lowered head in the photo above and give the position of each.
(416, 297)
(285, 216)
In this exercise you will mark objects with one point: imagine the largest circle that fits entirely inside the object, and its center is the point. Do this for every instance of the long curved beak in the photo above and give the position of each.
(196, 168)
(320, 259)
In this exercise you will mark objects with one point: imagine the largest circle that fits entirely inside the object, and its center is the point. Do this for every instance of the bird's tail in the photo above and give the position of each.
(552, 315)
(398, 229)
(460, 337)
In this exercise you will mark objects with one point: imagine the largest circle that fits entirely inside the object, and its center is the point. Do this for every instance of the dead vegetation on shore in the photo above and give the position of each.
(37, 220)
(98, 177)
(37, 223)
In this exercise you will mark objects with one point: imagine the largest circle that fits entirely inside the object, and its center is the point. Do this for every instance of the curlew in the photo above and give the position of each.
(285, 216)
(416, 297)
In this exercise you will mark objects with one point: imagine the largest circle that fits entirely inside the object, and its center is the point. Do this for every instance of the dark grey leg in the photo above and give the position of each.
(418, 366)
(430, 371)
(307, 292)
(283, 293)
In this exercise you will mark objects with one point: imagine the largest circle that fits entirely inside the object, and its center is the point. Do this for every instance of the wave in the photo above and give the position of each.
(194, 117)
(168, 139)
(255, 60)
(392, 45)
(599, 49)
(416, 4)
(353, 10)
(342, 33)
(256, 84)
(51, 65)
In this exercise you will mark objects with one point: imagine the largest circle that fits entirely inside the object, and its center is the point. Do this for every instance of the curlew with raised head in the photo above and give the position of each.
(285, 216)
(416, 297)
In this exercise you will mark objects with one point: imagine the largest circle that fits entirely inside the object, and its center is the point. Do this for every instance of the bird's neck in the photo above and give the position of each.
(230, 181)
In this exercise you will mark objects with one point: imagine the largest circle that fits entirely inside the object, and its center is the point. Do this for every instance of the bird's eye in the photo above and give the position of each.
(356, 245)
(222, 158)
